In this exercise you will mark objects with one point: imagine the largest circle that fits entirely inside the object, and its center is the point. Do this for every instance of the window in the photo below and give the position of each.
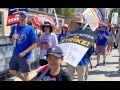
(49, 10)
(41, 9)
(33, 8)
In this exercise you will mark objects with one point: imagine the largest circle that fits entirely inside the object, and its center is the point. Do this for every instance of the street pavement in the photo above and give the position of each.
(101, 73)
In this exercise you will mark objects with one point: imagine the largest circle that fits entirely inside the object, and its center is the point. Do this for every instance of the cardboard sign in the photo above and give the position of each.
(75, 44)
(92, 18)
(114, 18)
(13, 15)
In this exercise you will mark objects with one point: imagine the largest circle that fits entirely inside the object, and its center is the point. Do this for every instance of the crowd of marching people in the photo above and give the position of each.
(52, 55)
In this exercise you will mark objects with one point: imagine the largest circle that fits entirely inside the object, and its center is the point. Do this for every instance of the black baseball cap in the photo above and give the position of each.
(55, 51)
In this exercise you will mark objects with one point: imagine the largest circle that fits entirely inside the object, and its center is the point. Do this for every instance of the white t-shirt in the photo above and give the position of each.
(47, 41)
(111, 33)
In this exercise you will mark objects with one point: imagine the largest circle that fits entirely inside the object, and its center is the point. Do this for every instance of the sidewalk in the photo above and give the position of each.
(101, 73)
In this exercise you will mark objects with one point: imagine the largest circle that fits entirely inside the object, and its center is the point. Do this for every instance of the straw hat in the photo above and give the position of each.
(76, 18)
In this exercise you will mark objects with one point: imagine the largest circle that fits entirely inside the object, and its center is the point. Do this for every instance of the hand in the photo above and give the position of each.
(104, 35)
(14, 36)
(22, 54)
(93, 44)
(40, 33)
(61, 38)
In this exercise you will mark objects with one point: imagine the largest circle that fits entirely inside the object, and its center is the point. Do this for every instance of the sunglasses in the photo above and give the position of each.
(65, 27)
(46, 26)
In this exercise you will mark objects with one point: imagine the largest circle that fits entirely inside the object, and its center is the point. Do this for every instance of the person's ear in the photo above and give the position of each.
(62, 59)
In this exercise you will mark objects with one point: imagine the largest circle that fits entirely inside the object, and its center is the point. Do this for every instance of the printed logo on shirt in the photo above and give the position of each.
(101, 36)
(46, 78)
(44, 45)
(21, 37)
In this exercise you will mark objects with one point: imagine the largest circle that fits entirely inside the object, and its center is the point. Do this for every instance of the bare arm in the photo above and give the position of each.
(38, 42)
(13, 37)
(34, 44)
(34, 78)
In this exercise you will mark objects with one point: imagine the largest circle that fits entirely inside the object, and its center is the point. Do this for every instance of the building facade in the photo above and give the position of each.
(31, 13)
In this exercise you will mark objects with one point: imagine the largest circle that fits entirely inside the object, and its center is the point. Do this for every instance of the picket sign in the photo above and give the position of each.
(114, 18)
(75, 45)
(92, 18)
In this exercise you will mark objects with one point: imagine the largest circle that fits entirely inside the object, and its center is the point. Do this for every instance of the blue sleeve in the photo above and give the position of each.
(33, 37)
(59, 38)
(107, 33)
(12, 31)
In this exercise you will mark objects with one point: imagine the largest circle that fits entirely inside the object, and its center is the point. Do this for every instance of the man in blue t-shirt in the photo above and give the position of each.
(101, 46)
(26, 41)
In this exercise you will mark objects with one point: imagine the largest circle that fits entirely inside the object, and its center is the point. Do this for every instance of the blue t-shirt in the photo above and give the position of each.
(61, 35)
(26, 36)
(84, 60)
(101, 39)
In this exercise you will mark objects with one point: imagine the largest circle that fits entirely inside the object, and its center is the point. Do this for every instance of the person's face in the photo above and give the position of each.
(64, 29)
(23, 19)
(112, 28)
(102, 28)
(53, 61)
(47, 28)
(74, 26)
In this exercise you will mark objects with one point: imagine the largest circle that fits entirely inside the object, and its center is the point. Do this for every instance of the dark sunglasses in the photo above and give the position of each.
(65, 27)
(46, 26)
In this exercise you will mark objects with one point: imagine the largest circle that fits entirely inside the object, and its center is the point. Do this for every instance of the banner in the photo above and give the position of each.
(13, 15)
(114, 18)
(106, 13)
(92, 18)
(75, 44)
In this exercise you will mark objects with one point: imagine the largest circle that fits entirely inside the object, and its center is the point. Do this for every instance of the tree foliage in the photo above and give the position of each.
(68, 12)
(115, 10)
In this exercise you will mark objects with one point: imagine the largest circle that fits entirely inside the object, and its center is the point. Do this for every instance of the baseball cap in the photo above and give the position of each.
(112, 26)
(55, 51)
(102, 24)
(25, 13)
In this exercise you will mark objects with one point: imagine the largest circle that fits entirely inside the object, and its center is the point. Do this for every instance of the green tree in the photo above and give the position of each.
(115, 10)
(68, 12)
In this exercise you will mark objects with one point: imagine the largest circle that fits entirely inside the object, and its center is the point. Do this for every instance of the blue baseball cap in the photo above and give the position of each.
(25, 13)
(55, 51)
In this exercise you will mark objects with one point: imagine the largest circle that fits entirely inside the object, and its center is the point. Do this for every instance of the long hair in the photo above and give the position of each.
(62, 31)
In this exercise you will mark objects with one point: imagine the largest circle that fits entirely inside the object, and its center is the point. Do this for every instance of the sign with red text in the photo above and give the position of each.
(13, 15)
(92, 18)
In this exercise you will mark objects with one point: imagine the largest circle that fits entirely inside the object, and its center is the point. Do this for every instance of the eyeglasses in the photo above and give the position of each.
(46, 26)
(55, 59)
(65, 27)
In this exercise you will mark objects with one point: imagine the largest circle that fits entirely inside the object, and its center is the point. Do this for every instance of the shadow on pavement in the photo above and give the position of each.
(106, 73)
(116, 56)
(93, 58)
(112, 63)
